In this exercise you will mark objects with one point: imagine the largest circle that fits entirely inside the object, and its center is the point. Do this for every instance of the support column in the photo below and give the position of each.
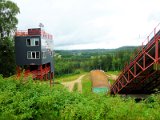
(51, 79)
(156, 65)
(52, 75)
(41, 72)
(46, 74)
(156, 51)
(144, 61)
(18, 69)
(135, 69)
(156, 39)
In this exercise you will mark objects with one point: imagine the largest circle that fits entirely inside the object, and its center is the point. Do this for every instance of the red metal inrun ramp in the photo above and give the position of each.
(142, 75)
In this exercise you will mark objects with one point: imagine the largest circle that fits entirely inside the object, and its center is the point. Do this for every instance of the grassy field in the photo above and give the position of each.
(113, 72)
(86, 84)
(69, 77)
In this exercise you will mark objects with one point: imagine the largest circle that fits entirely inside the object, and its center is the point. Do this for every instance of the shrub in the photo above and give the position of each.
(30, 100)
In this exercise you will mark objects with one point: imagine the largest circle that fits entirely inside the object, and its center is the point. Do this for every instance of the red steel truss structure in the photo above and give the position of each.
(42, 73)
(142, 74)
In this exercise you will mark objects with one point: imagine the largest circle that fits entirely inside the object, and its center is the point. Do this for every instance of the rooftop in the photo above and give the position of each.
(33, 32)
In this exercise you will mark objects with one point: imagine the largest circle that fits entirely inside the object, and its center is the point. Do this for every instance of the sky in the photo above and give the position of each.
(91, 24)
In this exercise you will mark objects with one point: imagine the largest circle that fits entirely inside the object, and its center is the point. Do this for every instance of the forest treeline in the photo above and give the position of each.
(74, 61)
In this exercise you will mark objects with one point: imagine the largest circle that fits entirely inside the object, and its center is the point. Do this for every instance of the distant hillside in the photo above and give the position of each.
(127, 48)
(99, 50)
(87, 53)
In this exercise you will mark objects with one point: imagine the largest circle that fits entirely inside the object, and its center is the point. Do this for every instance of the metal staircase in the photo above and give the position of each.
(142, 74)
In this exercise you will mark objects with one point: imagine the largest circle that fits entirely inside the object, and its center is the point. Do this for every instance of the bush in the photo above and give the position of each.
(29, 100)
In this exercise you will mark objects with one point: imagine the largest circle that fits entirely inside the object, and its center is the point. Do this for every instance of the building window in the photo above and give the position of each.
(28, 55)
(28, 42)
(33, 55)
(32, 42)
(43, 55)
(37, 55)
(36, 42)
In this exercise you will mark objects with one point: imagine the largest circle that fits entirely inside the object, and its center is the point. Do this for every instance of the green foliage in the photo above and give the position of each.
(66, 66)
(8, 22)
(7, 57)
(37, 101)
(70, 62)
(86, 84)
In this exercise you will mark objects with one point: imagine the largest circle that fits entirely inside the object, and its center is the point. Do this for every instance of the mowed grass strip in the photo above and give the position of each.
(86, 84)
(75, 88)
(113, 72)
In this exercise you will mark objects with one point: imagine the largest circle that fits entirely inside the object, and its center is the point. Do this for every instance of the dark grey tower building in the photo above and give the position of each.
(34, 53)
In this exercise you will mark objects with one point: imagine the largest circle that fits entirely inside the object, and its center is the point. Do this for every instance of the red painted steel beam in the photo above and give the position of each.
(142, 54)
(141, 82)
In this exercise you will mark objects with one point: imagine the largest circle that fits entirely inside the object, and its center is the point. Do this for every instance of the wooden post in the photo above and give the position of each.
(18, 69)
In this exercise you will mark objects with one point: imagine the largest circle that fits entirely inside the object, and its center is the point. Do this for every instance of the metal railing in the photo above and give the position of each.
(40, 32)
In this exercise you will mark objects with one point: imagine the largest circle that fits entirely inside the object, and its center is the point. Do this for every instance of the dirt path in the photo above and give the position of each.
(70, 85)
(113, 77)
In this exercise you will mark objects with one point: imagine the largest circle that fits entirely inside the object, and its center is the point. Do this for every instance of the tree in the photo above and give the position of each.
(8, 22)
(7, 58)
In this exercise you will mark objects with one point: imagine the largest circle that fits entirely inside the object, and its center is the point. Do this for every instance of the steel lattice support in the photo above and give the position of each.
(142, 70)
(40, 73)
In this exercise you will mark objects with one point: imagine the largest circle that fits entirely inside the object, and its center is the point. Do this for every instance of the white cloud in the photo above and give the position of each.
(83, 24)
